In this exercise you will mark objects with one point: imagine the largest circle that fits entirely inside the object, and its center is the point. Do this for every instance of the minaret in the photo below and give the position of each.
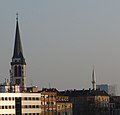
(18, 64)
(93, 79)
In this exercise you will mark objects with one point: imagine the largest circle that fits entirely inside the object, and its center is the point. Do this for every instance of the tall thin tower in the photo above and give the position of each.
(93, 79)
(18, 64)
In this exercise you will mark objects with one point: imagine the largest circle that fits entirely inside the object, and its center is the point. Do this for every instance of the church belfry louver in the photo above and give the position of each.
(18, 64)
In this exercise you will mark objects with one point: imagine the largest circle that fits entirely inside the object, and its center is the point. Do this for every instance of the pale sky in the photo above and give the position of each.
(62, 40)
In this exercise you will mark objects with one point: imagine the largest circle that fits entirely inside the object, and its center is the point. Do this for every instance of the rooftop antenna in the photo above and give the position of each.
(31, 83)
(49, 85)
(5, 81)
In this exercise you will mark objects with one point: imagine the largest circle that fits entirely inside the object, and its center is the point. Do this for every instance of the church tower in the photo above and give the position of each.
(18, 64)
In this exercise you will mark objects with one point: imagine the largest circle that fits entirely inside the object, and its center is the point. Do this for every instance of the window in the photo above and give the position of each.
(9, 107)
(52, 103)
(33, 98)
(37, 106)
(18, 81)
(62, 106)
(3, 98)
(65, 113)
(15, 70)
(13, 107)
(43, 96)
(25, 98)
(19, 72)
(58, 106)
(33, 106)
(5, 107)
(37, 98)
(52, 96)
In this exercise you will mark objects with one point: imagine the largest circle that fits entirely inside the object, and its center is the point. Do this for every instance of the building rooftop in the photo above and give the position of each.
(75, 93)
(49, 90)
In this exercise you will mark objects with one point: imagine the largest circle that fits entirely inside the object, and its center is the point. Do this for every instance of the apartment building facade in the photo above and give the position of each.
(48, 101)
(20, 103)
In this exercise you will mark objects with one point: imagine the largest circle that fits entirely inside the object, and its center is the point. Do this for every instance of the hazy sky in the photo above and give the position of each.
(62, 40)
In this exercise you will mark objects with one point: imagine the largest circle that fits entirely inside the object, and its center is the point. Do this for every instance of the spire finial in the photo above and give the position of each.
(17, 16)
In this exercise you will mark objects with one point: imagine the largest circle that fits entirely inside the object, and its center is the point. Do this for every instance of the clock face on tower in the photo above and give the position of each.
(18, 81)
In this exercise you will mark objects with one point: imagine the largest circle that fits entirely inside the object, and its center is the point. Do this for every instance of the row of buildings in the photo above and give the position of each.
(34, 102)
(17, 99)
(50, 101)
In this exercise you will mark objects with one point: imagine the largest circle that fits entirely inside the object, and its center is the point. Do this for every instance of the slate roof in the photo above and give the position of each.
(98, 93)
(49, 90)
(18, 53)
(76, 93)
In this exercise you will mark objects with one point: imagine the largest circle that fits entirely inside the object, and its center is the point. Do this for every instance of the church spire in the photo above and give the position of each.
(93, 79)
(18, 53)
(18, 64)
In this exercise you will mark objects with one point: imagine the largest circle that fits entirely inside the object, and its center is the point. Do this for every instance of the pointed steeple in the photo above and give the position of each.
(18, 64)
(18, 53)
(93, 79)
